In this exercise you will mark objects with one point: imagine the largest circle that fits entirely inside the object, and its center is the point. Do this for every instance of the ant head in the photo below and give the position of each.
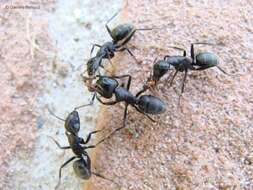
(92, 65)
(105, 86)
(82, 167)
(160, 68)
(72, 123)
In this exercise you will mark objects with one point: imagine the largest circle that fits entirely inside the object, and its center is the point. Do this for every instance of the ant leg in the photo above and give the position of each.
(89, 136)
(58, 144)
(173, 77)
(192, 53)
(124, 76)
(105, 178)
(185, 75)
(112, 133)
(129, 81)
(129, 36)
(182, 88)
(146, 29)
(178, 48)
(132, 55)
(155, 28)
(140, 92)
(93, 46)
(206, 67)
(62, 166)
(89, 104)
(91, 146)
(136, 60)
(165, 57)
(110, 19)
(198, 43)
(106, 103)
(125, 116)
(222, 70)
(53, 114)
(144, 113)
(106, 25)
(202, 67)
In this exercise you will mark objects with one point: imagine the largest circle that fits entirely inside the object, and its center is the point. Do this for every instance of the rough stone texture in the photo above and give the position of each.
(42, 55)
(21, 72)
(206, 142)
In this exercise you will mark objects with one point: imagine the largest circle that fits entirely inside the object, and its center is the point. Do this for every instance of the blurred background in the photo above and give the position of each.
(205, 143)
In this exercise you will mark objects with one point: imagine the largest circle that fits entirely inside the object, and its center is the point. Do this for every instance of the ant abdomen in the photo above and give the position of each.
(81, 168)
(151, 104)
(207, 59)
(122, 31)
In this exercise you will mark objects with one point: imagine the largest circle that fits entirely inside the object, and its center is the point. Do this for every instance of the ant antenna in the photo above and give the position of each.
(89, 104)
(117, 12)
(53, 114)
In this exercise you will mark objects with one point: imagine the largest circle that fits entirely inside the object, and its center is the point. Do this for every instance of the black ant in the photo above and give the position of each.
(182, 63)
(120, 35)
(108, 87)
(81, 166)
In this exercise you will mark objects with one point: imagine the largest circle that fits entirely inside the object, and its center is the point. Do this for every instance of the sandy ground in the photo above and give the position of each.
(203, 144)
(206, 143)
